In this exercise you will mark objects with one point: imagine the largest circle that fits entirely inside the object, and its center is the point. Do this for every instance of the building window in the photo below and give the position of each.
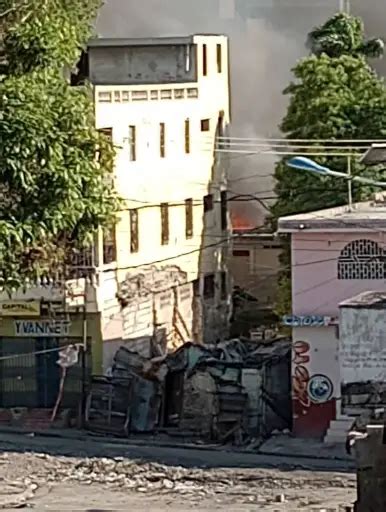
(108, 134)
(109, 245)
(134, 231)
(164, 223)
(241, 253)
(187, 136)
(189, 218)
(205, 125)
(209, 286)
(362, 259)
(162, 149)
(132, 143)
(208, 203)
(224, 210)
(224, 286)
(204, 60)
(219, 58)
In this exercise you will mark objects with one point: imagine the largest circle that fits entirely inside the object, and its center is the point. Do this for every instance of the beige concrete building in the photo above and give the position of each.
(164, 101)
(160, 277)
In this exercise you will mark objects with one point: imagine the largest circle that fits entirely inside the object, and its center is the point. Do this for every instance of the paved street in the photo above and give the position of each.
(89, 475)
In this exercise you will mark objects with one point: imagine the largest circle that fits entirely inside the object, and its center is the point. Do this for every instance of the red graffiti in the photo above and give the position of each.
(300, 377)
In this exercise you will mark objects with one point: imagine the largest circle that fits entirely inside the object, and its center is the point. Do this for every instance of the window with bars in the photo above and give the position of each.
(164, 223)
(109, 245)
(187, 136)
(362, 259)
(189, 218)
(132, 143)
(162, 133)
(134, 231)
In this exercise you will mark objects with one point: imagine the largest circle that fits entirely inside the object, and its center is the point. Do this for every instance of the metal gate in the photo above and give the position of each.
(30, 376)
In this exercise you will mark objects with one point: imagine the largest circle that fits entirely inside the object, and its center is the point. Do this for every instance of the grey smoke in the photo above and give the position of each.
(267, 37)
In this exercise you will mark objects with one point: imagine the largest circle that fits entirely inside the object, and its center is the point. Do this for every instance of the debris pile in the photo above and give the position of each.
(236, 390)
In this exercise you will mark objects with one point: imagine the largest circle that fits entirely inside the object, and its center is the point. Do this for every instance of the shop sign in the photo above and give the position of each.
(20, 308)
(42, 328)
(307, 321)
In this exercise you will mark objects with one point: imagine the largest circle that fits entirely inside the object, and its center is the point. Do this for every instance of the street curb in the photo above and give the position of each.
(127, 442)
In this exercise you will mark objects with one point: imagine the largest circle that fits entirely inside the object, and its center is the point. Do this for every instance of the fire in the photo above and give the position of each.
(240, 222)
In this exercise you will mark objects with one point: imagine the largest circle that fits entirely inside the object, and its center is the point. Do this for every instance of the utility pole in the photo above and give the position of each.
(345, 6)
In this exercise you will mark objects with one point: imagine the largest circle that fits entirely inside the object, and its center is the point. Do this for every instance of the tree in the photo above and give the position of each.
(336, 96)
(55, 193)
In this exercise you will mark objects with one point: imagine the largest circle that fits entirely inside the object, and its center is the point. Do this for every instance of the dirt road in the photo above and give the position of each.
(57, 474)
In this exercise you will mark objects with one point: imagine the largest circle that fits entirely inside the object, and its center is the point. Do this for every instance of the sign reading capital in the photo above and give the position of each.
(20, 308)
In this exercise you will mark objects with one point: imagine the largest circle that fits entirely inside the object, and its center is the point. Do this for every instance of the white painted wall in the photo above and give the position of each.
(151, 179)
(362, 351)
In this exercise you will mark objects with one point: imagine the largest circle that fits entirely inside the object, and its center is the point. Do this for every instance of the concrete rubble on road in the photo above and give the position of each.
(242, 486)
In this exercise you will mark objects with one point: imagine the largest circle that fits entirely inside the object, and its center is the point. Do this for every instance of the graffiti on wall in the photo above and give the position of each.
(301, 377)
(307, 389)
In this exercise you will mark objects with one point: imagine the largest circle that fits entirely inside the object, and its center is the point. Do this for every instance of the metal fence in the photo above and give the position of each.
(30, 375)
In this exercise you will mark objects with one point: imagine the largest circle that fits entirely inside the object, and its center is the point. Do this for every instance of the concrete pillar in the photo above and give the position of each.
(371, 471)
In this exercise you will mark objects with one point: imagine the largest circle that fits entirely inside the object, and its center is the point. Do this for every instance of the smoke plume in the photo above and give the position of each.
(267, 37)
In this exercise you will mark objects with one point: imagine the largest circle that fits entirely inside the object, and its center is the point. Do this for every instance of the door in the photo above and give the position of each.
(47, 371)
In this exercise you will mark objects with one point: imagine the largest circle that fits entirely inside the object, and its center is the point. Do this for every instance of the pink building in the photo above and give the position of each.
(336, 254)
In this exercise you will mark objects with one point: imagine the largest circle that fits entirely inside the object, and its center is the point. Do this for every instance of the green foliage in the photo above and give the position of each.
(54, 191)
(336, 95)
(344, 35)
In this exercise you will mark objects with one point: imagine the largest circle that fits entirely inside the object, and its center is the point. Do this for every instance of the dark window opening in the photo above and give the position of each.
(224, 210)
(224, 285)
(241, 253)
(134, 231)
(162, 132)
(219, 58)
(189, 218)
(205, 125)
(204, 60)
(208, 203)
(196, 287)
(187, 136)
(164, 223)
(209, 286)
(132, 143)
(109, 245)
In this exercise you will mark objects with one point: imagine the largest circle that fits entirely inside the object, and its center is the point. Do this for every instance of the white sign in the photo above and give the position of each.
(306, 321)
(68, 356)
(42, 328)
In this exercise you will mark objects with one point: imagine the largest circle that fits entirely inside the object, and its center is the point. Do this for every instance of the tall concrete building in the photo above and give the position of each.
(159, 277)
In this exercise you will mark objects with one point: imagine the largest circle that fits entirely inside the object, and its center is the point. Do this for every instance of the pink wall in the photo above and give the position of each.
(316, 290)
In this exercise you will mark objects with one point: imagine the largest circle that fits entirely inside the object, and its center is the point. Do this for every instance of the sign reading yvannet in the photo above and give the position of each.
(42, 328)
(20, 308)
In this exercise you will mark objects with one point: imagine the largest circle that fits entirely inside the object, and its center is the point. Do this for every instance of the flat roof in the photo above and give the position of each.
(375, 155)
(373, 299)
(102, 42)
(360, 217)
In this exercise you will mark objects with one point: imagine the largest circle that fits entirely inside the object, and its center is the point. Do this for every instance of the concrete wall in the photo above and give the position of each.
(143, 65)
(316, 290)
(362, 351)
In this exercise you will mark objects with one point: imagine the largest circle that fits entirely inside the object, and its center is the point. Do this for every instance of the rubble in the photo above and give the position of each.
(232, 392)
